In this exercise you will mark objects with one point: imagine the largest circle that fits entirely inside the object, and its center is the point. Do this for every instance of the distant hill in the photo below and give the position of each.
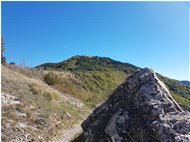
(92, 78)
(89, 63)
(180, 92)
(103, 74)
(185, 82)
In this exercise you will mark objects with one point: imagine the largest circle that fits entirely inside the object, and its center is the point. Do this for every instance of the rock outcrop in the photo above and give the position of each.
(139, 110)
(7, 99)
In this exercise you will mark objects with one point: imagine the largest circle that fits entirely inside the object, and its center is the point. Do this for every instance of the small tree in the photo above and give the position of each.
(3, 59)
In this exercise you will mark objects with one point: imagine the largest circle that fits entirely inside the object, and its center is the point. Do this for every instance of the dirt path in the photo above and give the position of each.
(68, 134)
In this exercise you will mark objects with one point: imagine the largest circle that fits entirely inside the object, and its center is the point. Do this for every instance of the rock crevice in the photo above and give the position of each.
(139, 110)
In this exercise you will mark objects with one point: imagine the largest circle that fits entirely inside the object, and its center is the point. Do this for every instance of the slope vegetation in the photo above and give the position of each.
(139, 110)
(96, 77)
(90, 79)
(39, 102)
(33, 110)
(180, 92)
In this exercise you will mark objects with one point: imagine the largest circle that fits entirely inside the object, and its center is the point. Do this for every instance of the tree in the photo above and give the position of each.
(3, 59)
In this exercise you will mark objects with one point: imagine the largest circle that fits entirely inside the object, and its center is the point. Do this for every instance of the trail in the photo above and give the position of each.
(67, 135)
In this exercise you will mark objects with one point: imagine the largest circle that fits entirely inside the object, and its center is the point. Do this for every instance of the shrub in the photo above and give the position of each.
(51, 78)
(39, 90)
(3, 59)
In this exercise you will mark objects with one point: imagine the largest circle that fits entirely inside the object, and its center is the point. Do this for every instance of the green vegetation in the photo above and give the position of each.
(91, 79)
(91, 87)
(96, 77)
(51, 95)
(87, 63)
(36, 89)
(180, 92)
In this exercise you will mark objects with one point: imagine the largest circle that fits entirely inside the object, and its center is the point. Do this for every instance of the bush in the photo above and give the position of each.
(3, 59)
(51, 78)
(38, 90)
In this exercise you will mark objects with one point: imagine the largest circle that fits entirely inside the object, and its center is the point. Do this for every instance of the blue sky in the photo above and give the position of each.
(146, 34)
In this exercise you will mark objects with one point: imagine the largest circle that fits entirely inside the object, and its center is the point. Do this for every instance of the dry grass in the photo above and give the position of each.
(29, 72)
(39, 103)
(91, 87)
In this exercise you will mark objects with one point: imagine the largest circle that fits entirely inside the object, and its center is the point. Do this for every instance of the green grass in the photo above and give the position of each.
(89, 79)
(86, 63)
(182, 101)
(180, 92)
(96, 77)
(37, 89)
(91, 87)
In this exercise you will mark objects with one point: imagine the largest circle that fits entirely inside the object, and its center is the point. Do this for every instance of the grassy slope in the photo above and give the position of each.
(96, 77)
(180, 92)
(91, 87)
(92, 80)
(89, 79)
(45, 110)
(86, 63)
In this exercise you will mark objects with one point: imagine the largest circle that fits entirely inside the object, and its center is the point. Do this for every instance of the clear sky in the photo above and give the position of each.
(146, 34)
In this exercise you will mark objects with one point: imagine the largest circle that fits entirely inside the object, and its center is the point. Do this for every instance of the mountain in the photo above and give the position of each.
(89, 63)
(185, 82)
(99, 76)
(139, 110)
(39, 103)
(91, 79)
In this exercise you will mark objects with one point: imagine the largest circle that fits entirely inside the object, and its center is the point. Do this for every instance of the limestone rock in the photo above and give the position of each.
(7, 99)
(139, 110)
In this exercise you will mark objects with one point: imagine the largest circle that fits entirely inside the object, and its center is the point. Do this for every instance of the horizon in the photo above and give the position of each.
(111, 59)
(145, 34)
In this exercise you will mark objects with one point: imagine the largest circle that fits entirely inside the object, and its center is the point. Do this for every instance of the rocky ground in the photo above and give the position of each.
(139, 110)
(67, 135)
(34, 111)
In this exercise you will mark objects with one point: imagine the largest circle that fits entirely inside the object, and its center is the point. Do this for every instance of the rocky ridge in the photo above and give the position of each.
(139, 110)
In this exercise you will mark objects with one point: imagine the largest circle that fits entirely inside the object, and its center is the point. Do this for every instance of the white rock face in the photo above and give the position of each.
(7, 99)
(140, 110)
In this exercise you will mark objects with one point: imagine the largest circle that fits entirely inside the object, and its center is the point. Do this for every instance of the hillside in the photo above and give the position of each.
(39, 103)
(139, 110)
(33, 110)
(185, 82)
(180, 92)
(89, 63)
(99, 76)
(91, 79)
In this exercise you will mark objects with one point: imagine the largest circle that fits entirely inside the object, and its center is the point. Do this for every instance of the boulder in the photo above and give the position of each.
(139, 110)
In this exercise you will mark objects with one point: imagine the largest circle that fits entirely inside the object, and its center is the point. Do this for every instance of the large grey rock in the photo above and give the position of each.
(139, 110)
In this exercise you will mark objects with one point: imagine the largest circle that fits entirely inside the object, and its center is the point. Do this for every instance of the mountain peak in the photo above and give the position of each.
(89, 63)
(141, 109)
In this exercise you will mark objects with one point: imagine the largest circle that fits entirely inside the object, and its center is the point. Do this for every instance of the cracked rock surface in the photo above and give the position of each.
(139, 110)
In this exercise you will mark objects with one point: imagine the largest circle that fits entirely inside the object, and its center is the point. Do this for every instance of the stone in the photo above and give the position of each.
(139, 110)
(7, 99)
